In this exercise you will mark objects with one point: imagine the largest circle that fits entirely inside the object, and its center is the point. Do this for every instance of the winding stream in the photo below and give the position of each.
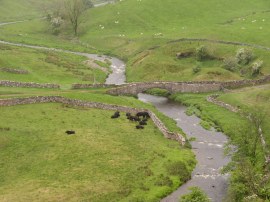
(208, 146)
(118, 67)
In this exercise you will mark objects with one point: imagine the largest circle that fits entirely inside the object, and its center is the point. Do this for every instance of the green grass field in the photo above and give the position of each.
(47, 67)
(253, 98)
(132, 27)
(106, 160)
(109, 160)
(12, 10)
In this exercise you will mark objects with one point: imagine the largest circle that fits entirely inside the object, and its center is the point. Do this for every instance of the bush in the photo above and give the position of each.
(244, 56)
(196, 69)
(206, 125)
(179, 169)
(202, 53)
(230, 63)
(196, 195)
(256, 67)
(164, 181)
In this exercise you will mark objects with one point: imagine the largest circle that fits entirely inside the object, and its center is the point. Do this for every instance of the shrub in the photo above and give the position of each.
(164, 181)
(244, 56)
(179, 169)
(206, 125)
(256, 67)
(230, 63)
(202, 53)
(193, 110)
(196, 69)
(196, 195)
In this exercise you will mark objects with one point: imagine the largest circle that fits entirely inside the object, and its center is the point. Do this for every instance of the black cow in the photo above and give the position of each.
(70, 132)
(134, 118)
(116, 115)
(139, 127)
(142, 123)
(128, 114)
(143, 114)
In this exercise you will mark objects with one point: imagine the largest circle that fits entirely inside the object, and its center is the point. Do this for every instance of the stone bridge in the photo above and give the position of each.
(185, 87)
(172, 87)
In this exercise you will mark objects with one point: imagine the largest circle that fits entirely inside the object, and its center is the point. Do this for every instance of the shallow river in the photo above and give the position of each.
(208, 147)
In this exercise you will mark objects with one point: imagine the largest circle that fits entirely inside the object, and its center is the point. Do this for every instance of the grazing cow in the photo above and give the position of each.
(142, 123)
(116, 115)
(139, 127)
(143, 114)
(70, 132)
(145, 120)
(128, 114)
(134, 118)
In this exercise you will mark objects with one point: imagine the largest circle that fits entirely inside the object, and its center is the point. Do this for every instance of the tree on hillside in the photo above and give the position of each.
(74, 9)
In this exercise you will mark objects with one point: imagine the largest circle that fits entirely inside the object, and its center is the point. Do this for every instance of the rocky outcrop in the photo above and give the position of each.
(79, 103)
(28, 84)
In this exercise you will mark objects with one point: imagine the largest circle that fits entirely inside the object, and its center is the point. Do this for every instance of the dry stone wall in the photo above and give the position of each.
(79, 103)
(242, 83)
(28, 84)
(81, 86)
(221, 42)
(14, 71)
(213, 99)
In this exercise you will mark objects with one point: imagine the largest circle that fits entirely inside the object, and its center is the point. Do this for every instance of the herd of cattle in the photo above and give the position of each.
(140, 117)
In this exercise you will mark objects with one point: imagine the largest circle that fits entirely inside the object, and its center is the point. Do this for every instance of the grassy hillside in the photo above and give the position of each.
(11, 10)
(163, 64)
(55, 167)
(52, 166)
(130, 27)
(253, 98)
(47, 67)
(109, 160)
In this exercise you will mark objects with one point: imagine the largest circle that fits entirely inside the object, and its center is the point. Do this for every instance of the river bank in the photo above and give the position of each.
(208, 148)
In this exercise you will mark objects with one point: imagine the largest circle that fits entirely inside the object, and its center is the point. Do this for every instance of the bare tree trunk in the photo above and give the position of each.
(74, 10)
